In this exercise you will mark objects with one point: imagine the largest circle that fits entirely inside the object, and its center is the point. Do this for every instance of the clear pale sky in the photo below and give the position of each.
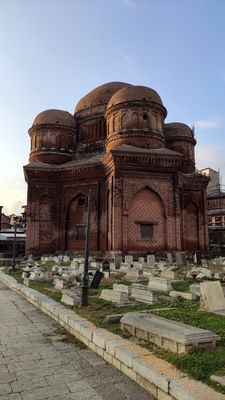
(54, 51)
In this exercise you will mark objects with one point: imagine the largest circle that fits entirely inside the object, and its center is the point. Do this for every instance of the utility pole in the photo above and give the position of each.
(14, 249)
(85, 282)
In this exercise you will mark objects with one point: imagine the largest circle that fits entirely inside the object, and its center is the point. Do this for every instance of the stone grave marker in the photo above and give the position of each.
(197, 258)
(96, 280)
(118, 259)
(151, 260)
(129, 259)
(169, 258)
(105, 266)
(204, 263)
(180, 258)
(138, 265)
(212, 297)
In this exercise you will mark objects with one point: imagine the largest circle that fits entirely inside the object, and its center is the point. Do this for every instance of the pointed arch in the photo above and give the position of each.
(150, 187)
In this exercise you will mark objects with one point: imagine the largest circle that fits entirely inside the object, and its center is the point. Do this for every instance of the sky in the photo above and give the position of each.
(53, 52)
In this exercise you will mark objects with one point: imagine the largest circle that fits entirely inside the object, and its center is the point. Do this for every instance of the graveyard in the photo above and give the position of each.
(173, 307)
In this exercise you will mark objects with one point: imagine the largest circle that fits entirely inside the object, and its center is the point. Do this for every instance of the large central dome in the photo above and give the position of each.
(99, 96)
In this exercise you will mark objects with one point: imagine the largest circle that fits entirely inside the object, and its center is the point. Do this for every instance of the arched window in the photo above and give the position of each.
(145, 120)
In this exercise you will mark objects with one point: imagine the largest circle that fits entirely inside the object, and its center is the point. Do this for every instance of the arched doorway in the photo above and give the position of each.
(146, 222)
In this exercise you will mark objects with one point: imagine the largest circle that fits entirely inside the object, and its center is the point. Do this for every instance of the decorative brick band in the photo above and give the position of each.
(156, 376)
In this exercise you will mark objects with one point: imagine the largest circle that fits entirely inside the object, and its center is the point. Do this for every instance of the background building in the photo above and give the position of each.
(146, 195)
(216, 207)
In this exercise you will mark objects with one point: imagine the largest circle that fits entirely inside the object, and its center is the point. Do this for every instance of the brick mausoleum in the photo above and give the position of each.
(146, 195)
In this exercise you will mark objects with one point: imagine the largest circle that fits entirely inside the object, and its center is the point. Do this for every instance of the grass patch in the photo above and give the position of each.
(44, 288)
(181, 286)
(193, 316)
(15, 274)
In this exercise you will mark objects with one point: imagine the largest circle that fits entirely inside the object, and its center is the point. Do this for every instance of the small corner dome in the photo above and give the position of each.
(55, 117)
(99, 96)
(175, 129)
(135, 93)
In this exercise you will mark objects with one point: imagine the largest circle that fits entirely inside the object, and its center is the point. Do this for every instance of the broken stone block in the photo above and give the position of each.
(122, 288)
(55, 268)
(66, 259)
(159, 285)
(129, 259)
(171, 275)
(195, 289)
(142, 294)
(59, 284)
(71, 297)
(133, 274)
(114, 296)
(184, 295)
(195, 271)
(74, 264)
(201, 277)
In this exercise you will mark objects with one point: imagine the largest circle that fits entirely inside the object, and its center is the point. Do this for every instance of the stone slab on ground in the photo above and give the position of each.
(170, 335)
(212, 296)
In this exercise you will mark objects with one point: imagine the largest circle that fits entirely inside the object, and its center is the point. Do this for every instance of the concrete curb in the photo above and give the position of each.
(155, 375)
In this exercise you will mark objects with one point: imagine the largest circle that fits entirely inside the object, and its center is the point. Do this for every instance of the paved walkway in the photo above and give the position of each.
(39, 360)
